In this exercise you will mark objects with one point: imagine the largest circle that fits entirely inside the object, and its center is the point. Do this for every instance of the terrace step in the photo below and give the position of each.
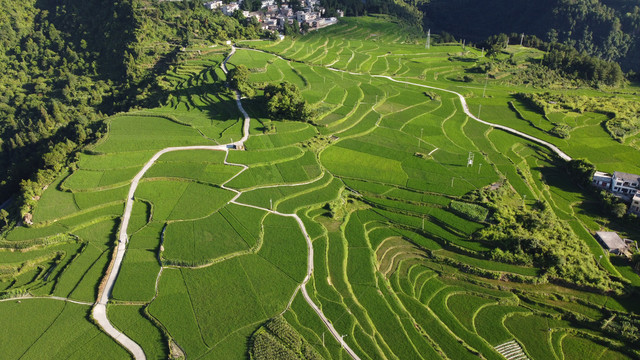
(511, 350)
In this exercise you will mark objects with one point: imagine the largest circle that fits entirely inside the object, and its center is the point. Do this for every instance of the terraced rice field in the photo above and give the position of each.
(395, 268)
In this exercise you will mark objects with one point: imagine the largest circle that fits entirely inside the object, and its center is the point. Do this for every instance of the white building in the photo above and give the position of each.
(286, 11)
(272, 9)
(255, 14)
(230, 8)
(267, 3)
(602, 180)
(302, 16)
(624, 183)
(212, 5)
(635, 204)
(271, 22)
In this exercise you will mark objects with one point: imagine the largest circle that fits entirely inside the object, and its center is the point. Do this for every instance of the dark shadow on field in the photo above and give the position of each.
(214, 98)
(556, 175)
(213, 104)
(113, 236)
(463, 59)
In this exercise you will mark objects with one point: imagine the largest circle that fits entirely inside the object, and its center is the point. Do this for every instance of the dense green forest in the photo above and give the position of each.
(65, 65)
(608, 30)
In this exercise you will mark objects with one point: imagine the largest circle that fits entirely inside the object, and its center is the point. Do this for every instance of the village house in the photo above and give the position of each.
(267, 3)
(635, 204)
(212, 5)
(230, 8)
(272, 9)
(602, 180)
(303, 16)
(623, 185)
(285, 10)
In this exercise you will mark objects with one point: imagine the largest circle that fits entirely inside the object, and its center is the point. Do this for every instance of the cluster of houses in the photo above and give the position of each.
(273, 17)
(626, 187)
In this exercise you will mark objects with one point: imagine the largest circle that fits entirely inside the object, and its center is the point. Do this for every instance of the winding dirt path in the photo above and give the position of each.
(463, 101)
(465, 108)
(100, 308)
(99, 311)
(28, 297)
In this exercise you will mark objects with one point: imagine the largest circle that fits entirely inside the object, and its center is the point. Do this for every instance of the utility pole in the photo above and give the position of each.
(480, 167)
(429, 39)
(521, 39)
(464, 41)
(452, 182)
(486, 80)
(271, 204)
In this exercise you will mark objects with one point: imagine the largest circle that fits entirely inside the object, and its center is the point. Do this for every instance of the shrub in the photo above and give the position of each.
(561, 131)
(470, 211)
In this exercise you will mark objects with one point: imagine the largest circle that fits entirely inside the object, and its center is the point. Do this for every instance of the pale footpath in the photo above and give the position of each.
(99, 310)
(100, 307)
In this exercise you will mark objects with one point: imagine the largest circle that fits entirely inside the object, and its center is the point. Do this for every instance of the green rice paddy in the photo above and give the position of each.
(378, 181)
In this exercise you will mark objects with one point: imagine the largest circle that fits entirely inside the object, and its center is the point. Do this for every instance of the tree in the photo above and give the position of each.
(4, 216)
(619, 209)
(295, 5)
(239, 80)
(581, 170)
(635, 261)
(284, 101)
(493, 51)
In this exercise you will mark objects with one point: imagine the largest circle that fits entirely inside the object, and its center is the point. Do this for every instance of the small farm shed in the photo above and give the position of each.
(612, 242)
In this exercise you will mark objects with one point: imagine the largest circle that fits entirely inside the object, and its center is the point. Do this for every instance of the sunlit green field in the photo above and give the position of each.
(379, 181)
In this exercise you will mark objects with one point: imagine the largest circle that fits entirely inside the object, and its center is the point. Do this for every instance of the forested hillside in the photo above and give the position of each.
(606, 29)
(66, 64)
(50, 93)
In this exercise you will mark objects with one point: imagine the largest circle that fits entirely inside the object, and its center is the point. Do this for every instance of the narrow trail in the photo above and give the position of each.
(99, 311)
(247, 120)
(465, 108)
(29, 297)
(463, 101)
(100, 308)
